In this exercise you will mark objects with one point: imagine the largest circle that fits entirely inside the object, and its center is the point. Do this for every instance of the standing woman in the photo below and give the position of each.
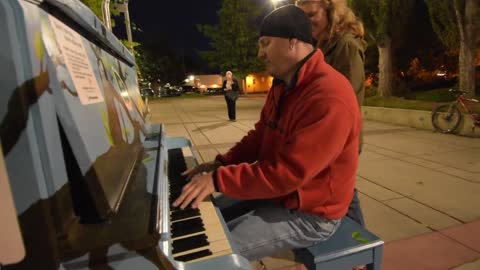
(339, 35)
(231, 88)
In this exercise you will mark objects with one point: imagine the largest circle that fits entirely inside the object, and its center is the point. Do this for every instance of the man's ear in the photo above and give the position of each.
(292, 42)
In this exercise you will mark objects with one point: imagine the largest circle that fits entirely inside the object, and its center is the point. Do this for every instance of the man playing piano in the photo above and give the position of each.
(294, 173)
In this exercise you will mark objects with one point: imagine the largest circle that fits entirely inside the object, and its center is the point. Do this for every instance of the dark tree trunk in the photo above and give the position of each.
(385, 68)
(467, 53)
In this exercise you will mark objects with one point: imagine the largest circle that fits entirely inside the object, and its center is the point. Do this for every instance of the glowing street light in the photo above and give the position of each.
(191, 77)
(275, 3)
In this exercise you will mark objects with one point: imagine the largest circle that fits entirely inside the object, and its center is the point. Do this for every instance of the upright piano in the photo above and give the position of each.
(91, 179)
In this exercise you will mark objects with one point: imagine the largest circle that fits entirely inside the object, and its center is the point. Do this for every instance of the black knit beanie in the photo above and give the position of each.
(287, 22)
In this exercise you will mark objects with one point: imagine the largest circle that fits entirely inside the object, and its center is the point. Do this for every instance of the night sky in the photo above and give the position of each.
(174, 22)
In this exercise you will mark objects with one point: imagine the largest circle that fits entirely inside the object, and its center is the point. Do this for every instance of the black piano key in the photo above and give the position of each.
(174, 193)
(194, 222)
(178, 185)
(174, 196)
(174, 209)
(189, 243)
(182, 214)
(186, 231)
(193, 256)
(185, 227)
(178, 209)
(176, 165)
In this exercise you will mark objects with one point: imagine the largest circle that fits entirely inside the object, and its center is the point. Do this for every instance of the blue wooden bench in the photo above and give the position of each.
(350, 246)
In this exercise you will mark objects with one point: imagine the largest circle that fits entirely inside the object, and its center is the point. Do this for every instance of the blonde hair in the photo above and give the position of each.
(229, 78)
(341, 20)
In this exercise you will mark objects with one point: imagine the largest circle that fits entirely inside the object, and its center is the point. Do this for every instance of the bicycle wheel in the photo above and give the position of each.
(446, 118)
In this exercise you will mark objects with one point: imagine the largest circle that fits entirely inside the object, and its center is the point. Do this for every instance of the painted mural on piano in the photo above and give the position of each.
(109, 85)
(122, 108)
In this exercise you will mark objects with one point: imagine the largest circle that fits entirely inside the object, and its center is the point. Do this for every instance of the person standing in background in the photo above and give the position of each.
(340, 36)
(231, 88)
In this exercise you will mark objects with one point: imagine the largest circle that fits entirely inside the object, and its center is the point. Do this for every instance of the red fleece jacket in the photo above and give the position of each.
(308, 160)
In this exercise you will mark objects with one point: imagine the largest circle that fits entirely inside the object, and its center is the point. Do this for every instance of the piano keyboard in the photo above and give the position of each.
(196, 234)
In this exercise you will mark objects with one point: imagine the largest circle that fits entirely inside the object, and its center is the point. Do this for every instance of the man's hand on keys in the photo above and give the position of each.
(204, 167)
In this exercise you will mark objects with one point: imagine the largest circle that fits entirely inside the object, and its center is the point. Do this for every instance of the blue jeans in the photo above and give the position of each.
(260, 228)
(355, 211)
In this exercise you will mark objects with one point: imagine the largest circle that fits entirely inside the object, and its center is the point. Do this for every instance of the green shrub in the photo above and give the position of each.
(400, 103)
(437, 95)
(371, 91)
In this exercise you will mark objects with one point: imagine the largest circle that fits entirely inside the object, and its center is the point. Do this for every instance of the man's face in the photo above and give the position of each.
(315, 10)
(276, 54)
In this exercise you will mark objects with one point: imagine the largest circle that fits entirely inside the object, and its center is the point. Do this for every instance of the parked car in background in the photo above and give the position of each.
(147, 92)
(180, 89)
(214, 91)
(189, 88)
(170, 91)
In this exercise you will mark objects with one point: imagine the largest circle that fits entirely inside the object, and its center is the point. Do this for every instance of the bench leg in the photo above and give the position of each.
(377, 259)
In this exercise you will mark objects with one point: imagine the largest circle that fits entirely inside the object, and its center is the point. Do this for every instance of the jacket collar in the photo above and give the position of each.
(294, 81)
(329, 46)
(306, 69)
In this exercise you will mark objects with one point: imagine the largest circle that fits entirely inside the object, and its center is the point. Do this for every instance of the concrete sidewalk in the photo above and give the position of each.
(419, 190)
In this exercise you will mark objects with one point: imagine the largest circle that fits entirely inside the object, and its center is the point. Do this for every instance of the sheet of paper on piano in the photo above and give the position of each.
(11, 243)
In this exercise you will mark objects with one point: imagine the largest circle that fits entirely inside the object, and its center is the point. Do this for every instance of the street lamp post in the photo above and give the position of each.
(122, 7)
(106, 14)
(127, 19)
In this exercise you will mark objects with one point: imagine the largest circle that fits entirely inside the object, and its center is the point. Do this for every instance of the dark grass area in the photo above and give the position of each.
(424, 100)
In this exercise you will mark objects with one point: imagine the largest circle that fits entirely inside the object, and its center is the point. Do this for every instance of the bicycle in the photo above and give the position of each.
(447, 118)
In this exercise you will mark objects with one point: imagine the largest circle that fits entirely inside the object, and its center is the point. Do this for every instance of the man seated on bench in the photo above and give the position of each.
(291, 178)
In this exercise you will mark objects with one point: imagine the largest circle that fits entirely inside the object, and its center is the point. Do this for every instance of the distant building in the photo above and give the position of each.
(205, 82)
(258, 83)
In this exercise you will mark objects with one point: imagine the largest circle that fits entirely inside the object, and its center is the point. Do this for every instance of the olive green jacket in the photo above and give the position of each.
(347, 55)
